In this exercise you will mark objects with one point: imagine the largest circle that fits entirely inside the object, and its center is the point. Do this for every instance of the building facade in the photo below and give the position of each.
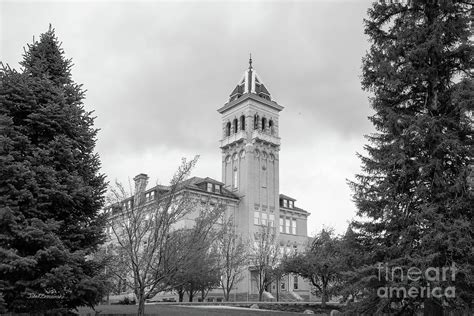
(250, 186)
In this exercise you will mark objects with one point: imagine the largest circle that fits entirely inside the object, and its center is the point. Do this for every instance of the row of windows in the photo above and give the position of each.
(264, 219)
(295, 283)
(127, 205)
(234, 126)
(287, 225)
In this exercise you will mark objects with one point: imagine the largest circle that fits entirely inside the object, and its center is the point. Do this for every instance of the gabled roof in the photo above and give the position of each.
(196, 184)
(282, 196)
(199, 184)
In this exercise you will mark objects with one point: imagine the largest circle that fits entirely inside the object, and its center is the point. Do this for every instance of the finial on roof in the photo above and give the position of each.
(250, 61)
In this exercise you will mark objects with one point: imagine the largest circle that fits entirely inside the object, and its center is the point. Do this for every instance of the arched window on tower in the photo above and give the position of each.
(255, 121)
(227, 129)
(264, 123)
(235, 126)
(270, 126)
(242, 123)
(235, 180)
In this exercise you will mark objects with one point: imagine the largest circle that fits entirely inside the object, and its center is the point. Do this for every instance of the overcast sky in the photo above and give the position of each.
(156, 72)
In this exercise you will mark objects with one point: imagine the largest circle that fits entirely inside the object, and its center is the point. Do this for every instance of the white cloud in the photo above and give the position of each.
(157, 71)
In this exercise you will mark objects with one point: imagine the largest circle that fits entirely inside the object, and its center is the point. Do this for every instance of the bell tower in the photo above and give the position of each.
(250, 151)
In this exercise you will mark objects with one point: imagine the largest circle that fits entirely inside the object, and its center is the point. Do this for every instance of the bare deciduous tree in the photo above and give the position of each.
(232, 254)
(264, 258)
(149, 243)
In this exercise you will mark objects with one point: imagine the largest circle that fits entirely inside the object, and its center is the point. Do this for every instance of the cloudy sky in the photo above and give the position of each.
(156, 72)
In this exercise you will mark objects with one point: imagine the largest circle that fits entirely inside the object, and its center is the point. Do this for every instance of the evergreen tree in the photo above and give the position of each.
(51, 190)
(413, 196)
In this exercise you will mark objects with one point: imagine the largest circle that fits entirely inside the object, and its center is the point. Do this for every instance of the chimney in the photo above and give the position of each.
(141, 180)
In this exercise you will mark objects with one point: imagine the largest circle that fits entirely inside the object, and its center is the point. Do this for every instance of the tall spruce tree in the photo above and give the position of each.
(51, 190)
(413, 196)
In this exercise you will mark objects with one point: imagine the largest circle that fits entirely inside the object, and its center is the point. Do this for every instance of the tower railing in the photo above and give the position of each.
(265, 137)
(239, 136)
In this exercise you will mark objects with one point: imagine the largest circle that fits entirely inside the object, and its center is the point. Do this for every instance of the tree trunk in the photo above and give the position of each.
(324, 297)
(191, 295)
(203, 294)
(260, 294)
(180, 295)
(278, 289)
(226, 294)
(141, 302)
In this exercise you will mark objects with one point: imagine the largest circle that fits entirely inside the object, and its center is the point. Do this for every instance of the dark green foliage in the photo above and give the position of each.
(413, 196)
(50, 187)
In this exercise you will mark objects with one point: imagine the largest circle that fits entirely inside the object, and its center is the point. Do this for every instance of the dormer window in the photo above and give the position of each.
(209, 187)
(217, 188)
(285, 203)
(291, 204)
(150, 195)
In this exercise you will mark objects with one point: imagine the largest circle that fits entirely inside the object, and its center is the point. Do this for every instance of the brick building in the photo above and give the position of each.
(250, 185)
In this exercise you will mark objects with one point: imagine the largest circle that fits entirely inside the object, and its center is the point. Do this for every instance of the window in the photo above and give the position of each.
(217, 188)
(264, 219)
(264, 123)
(291, 204)
(256, 218)
(227, 129)
(242, 123)
(235, 126)
(271, 221)
(293, 227)
(236, 179)
(282, 225)
(270, 126)
(255, 121)
(285, 203)
(149, 195)
(295, 282)
(282, 285)
(209, 187)
(287, 226)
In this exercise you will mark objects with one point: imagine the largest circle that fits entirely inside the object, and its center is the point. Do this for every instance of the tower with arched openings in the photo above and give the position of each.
(250, 152)
(250, 148)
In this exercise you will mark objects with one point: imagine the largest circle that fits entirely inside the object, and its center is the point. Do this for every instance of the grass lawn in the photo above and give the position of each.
(173, 310)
